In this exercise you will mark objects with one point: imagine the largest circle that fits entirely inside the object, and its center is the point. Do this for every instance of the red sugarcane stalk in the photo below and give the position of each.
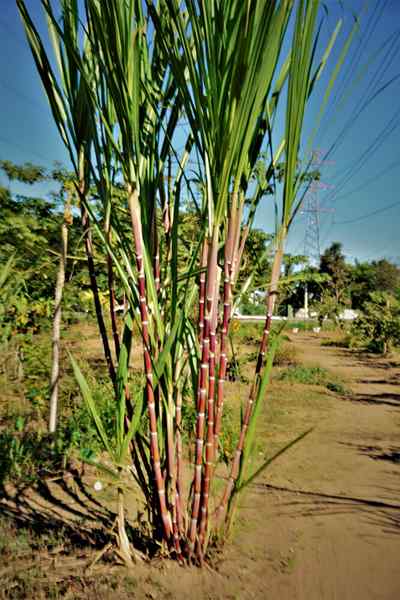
(202, 290)
(235, 468)
(178, 445)
(223, 361)
(201, 408)
(93, 281)
(179, 453)
(134, 207)
(172, 481)
(209, 454)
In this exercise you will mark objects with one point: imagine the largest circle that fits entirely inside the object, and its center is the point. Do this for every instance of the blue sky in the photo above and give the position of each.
(362, 172)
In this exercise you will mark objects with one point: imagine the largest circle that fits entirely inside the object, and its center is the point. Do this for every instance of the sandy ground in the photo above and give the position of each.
(323, 522)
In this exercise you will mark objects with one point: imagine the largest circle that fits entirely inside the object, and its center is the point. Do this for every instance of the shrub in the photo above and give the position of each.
(378, 326)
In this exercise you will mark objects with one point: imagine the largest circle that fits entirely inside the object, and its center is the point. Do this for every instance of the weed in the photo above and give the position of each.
(343, 341)
(285, 355)
(305, 375)
(229, 435)
(314, 376)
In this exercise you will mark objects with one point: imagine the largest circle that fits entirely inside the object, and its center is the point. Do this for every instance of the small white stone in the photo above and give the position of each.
(98, 486)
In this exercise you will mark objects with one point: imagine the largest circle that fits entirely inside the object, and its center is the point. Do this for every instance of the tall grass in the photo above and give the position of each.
(125, 76)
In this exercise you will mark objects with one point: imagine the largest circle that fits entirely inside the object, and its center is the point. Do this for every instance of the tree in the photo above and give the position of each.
(255, 259)
(26, 173)
(333, 263)
(367, 277)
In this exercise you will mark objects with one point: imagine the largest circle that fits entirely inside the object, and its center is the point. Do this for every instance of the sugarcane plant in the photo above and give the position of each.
(141, 91)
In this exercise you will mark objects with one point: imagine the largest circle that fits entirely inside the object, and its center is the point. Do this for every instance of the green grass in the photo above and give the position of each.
(343, 341)
(313, 376)
(306, 375)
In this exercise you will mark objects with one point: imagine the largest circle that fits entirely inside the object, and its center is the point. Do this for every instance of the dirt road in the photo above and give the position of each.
(324, 523)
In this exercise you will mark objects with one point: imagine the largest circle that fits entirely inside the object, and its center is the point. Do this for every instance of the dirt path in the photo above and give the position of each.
(325, 521)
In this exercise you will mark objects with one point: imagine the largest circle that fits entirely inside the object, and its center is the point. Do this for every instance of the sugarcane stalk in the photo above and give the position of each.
(177, 377)
(235, 467)
(93, 281)
(210, 453)
(179, 462)
(134, 208)
(124, 546)
(202, 399)
(202, 290)
(227, 300)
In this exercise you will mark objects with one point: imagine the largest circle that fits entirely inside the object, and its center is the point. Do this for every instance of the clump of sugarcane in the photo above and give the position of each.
(121, 91)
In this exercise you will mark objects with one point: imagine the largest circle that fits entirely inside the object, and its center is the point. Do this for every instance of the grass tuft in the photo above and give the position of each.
(305, 375)
(314, 376)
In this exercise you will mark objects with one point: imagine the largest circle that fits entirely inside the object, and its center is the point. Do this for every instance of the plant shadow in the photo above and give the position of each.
(64, 505)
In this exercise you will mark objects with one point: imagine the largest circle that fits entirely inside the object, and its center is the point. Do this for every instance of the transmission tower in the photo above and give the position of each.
(312, 209)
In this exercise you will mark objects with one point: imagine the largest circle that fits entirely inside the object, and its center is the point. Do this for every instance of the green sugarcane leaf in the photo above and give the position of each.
(164, 355)
(122, 376)
(49, 81)
(133, 425)
(267, 462)
(261, 389)
(90, 403)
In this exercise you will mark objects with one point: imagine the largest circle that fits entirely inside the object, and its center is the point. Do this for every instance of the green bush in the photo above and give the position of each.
(378, 326)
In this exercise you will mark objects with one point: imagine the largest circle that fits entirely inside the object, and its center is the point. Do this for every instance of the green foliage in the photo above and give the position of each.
(229, 436)
(327, 307)
(249, 308)
(285, 355)
(378, 326)
(26, 454)
(305, 375)
(367, 277)
(256, 262)
(27, 173)
(313, 376)
(344, 341)
(333, 263)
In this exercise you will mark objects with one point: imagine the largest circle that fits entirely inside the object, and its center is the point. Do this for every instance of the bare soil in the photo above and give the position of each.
(323, 522)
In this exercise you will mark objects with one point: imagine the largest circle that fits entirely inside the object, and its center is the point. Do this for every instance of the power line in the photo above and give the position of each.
(370, 180)
(371, 214)
(355, 167)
